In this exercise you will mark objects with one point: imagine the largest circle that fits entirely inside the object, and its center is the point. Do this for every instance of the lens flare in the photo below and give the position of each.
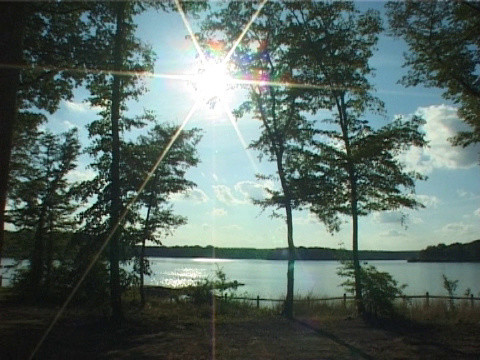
(211, 83)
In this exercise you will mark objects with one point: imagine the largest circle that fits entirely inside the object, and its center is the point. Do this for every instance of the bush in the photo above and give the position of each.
(64, 276)
(61, 281)
(379, 288)
(204, 290)
(451, 287)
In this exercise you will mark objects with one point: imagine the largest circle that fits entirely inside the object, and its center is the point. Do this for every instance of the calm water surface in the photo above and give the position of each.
(268, 278)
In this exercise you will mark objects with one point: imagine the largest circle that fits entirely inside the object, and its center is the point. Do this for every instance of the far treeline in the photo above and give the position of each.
(455, 253)
(302, 253)
(17, 244)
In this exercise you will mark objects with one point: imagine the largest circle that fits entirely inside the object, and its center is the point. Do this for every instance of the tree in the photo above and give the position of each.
(264, 54)
(353, 169)
(41, 199)
(155, 219)
(443, 38)
(42, 48)
(110, 89)
(123, 61)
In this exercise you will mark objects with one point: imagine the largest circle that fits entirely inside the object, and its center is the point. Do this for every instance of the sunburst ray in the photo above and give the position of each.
(247, 27)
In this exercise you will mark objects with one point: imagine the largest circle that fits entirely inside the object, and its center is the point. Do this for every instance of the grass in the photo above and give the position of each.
(440, 311)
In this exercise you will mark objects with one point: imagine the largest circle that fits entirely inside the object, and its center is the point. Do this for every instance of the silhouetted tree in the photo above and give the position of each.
(155, 218)
(354, 169)
(264, 54)
(41, 198)
(110, 88)
(42, 47)
(443, 39)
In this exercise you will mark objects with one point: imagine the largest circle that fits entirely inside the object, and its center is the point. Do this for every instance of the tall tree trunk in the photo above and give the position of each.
(291, 263)
(37, 269)
(341, 107)
(49, 256)
(356, 262)
(12, 25)
(38, 256)
(115, 291)
(142, 276)
(277, 147)
(288, 309)
(142, 258)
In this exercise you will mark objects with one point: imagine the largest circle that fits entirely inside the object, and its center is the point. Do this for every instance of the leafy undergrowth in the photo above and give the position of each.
(228, 330)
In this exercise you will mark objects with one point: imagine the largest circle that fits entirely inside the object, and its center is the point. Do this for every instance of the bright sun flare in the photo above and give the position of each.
(211, 83)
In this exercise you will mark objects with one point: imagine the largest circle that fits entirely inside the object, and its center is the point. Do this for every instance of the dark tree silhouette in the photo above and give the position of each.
(264, 54)
(154, 217)
(41, 199)
(443, 38)
(353, 169)
(42, 45)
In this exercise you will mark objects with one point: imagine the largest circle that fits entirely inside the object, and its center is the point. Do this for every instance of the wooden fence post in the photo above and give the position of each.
(427, 299)
(258, 301)
(471, 300)
(344, 300)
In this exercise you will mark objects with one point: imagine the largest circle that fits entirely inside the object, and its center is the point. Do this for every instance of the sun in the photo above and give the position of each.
(211, 83)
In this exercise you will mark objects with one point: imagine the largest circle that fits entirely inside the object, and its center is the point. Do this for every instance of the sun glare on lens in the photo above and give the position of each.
(211, 84)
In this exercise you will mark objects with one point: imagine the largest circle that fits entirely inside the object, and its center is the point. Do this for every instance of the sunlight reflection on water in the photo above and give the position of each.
(178, 278)
(177, 273)
(211, 260)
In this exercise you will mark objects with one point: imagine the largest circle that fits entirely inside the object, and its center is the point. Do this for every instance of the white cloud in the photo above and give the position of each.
(243, 192)
(457, 228)
(218, 212)
(309, 218)
(442, 123)
(81, 175)
(430, 201)
(477, 212)
(396, 217)
(252, 190)
(393, 233)
(80, 107)
(194, 195)
(465, 194)
(69, 125)
(232, 227)
(224, 194)
(389, 217)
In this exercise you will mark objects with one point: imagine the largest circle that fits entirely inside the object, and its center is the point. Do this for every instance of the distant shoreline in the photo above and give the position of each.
(302, 253)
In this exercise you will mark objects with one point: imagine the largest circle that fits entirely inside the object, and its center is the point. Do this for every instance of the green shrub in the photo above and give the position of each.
(63, 278)
(451, 287)
(204, 290)
(61, 282)
(379, 288)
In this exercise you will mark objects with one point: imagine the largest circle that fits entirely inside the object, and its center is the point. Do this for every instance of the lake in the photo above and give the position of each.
(267, 278)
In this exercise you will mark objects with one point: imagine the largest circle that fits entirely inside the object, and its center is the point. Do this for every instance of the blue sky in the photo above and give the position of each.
(219, 210)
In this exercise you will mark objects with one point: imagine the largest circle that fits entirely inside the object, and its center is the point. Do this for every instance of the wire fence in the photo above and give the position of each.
(427, 297)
